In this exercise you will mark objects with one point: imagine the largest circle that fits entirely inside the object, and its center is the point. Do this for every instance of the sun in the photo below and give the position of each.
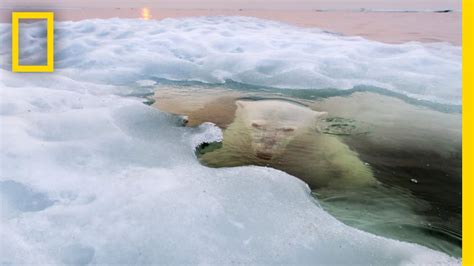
(146, 13)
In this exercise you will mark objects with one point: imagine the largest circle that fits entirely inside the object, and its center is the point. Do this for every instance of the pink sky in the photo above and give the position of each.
(249, 4)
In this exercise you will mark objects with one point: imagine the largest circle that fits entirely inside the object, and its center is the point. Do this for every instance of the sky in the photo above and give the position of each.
(247, 4)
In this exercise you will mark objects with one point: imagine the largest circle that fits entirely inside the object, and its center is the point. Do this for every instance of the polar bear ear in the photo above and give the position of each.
(322, 115)
(239, 104)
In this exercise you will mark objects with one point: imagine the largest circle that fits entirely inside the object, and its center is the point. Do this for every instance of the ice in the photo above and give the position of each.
(92, 177)
(246, 50)
(146, 83)
(17, 196)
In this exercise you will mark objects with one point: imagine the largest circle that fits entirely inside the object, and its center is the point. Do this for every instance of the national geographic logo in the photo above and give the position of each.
(16, 17)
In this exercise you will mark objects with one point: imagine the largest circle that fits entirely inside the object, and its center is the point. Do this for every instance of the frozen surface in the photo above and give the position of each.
(91, 177)
(246, 50)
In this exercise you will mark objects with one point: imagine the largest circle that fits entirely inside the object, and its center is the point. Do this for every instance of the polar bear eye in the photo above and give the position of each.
(286, 129)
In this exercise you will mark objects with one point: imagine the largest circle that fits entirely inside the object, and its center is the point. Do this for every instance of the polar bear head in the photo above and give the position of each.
(274, 123)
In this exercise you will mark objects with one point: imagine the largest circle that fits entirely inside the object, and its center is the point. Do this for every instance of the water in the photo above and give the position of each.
(373, 194)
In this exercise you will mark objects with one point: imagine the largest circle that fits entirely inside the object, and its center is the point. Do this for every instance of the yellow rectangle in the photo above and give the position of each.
(467, 135)
(16, 17)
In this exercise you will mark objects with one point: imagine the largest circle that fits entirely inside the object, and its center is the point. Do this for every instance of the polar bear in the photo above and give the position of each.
(286, 136)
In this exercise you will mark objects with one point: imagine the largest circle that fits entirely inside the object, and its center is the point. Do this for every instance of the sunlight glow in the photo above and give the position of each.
(146, 13)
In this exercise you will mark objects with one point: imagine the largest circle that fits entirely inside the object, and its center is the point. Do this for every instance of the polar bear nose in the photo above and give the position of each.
(264, 155)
